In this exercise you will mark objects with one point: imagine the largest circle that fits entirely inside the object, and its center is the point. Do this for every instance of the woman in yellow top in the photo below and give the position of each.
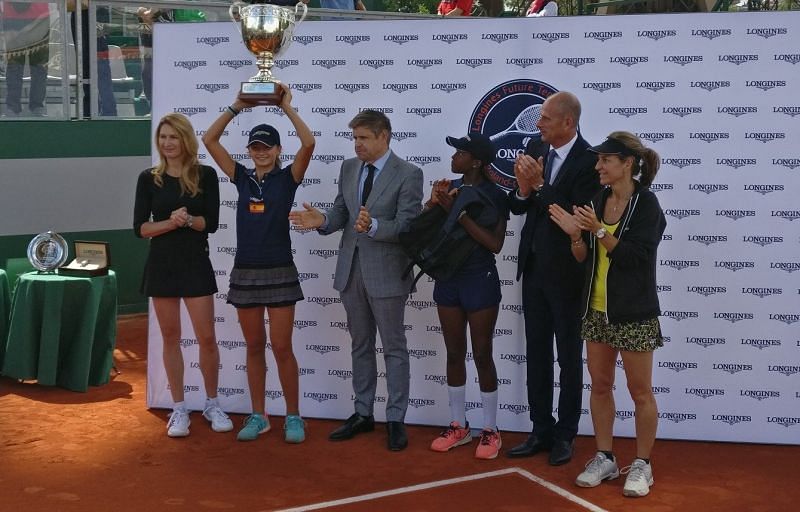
(619, 233)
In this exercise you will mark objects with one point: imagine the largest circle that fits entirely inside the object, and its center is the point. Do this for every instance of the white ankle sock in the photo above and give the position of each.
(489, 401)
(458, 411)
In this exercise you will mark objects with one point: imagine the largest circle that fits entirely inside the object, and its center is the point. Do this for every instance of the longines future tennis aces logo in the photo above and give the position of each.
(508, 114)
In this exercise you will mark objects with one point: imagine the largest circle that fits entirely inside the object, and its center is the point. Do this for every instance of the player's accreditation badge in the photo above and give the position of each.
(256, 205)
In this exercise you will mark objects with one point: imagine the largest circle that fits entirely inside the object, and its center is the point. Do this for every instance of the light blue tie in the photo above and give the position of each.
(548, 167)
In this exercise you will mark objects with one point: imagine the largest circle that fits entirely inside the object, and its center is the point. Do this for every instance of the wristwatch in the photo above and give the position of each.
(600, 233)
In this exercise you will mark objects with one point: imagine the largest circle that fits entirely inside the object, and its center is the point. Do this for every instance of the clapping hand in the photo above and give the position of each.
(310, 218)
(529, 173)
(586, 218)
(445, 198)
(438, 186)
(364, 221)
(565, 220)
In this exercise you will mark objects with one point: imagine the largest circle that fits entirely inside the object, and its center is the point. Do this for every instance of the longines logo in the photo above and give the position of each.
(515, 408)
(677, 417)
(502, 332)
(759, 394)
(345, 134)
(738, 58)
(189, 111)
(734, 265)
(400, 88)
(680, 163)
(342, 374)
(420, 304)
(682, 111)
(791, 163)
(352, 87)
(708, 188)
(384, 110)
(705, 342)
(267, 110)
(421, 353)
(212, 41)
(704, 392)
(710, 85)
(307, 182)
(302, 324)
(762, 240)
(438, 379)
(307, 40)
(655, 86)
(273, 394)
(221, 296)
(322, 205)
(327, 159)
(315, 133)
(344, 326)
(732, 317)
(200, 133)
(416, 403)
(401, 136)
(231, 344)
(786, 421)
(731, 419)
(189, 64)
(423, 111)
(655, 35)
(627, 111)
(711, 33)
(229, 392)
(188, 342)
(760, 343)
(328, 111)
(353, 40)
(681, 213)
(286, 63)
(789, 111)
(376, 63)
(683, 59)
(785, 266)
(473, 63)
(212, 88)
(661, 390)
(735, 214)
(623, 415)
(677, 366)
(510, 257)
(401, 39)
(787, 318)
(680, 315)
(765, 85)
(524, 62)
(514, 308)
(500, 38)
(679, 264)
(663, 288)
(324, 301)
(324, 253)
(449, 87)
(575, 62)
(657, 136)
(736, 162)
(519, 359)
(230, 251)
(732, 368)
(220, 272)
(628, 60)
(767, 32)
(602, 36)
(328, 63)
(765, 136)
(305, 87)
(789, 215)
(791, 58)
(706, 291)
(449, 38)
(423, 160)
(737, 111)
(320, 397)
(660, 187)
(322, 349)
(229, 203)
(550, 36)
(424, 63)
(785, 369)
(709, 136)
(602, 86)
(473, 405)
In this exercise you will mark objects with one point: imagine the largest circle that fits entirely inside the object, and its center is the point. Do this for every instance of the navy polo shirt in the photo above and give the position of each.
(262, 216)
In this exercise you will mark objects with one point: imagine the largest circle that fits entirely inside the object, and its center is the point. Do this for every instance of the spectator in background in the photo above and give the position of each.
(541, 8)
(107, 104)
(345, 5)
(455, 8)
(26, 30)
(148, 16)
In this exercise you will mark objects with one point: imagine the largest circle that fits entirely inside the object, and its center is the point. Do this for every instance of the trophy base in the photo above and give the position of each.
(262, 93)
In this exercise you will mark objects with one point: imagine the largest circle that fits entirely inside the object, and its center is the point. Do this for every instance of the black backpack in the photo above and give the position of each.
(437, 243)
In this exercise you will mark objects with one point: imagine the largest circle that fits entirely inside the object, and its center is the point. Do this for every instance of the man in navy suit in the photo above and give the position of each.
(551, 278)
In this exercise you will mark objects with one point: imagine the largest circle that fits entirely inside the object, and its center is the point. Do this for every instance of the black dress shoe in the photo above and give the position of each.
(530, 447)
(561, 452)
(397, 438)
(355, 424)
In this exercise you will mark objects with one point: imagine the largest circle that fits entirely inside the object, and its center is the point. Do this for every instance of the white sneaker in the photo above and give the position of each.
(598, 469)
(640, 478)
(220, 422)
(178, 424)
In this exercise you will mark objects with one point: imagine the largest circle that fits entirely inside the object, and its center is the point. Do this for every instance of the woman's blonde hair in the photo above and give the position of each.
(190, 169)
(645, 160)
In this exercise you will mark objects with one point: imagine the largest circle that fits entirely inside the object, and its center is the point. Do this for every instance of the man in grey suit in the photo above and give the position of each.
(378, 195)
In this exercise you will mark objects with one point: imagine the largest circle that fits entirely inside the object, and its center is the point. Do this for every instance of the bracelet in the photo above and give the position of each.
(232, 110)
(189, 222)
(579, 241)
(463, 212)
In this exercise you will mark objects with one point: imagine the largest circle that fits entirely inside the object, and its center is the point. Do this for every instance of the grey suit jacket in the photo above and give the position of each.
(396, 198)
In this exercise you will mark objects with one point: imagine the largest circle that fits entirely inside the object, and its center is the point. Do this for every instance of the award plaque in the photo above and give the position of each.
(266, 31)
(47, 251)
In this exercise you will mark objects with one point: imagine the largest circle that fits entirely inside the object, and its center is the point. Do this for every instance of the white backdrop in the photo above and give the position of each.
(714, 94)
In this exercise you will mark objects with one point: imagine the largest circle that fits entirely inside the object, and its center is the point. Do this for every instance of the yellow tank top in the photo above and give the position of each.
(598, 299)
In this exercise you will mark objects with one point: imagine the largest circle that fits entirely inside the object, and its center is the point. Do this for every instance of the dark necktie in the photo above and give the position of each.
(548, 166)
(368, 184)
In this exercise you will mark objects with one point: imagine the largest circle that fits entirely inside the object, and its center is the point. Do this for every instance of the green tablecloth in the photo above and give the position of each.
(5, 311)
(62, 330)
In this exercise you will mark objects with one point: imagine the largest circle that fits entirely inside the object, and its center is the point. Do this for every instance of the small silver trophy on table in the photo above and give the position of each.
(266, 31)
(47, 251)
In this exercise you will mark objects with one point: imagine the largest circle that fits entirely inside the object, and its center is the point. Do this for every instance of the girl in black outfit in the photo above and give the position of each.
(619, 233)
(177, 206)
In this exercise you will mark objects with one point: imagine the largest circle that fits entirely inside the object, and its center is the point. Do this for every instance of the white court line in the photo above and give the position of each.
(450, 481)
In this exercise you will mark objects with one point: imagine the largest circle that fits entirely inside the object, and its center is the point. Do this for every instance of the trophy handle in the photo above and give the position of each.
(305, 12)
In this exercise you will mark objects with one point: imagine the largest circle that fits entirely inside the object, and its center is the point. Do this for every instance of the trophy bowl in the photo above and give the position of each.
(267, 32)
(48, 251)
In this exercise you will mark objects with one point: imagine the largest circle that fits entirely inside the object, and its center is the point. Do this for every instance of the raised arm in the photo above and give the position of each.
(307, 141)
(211, 138)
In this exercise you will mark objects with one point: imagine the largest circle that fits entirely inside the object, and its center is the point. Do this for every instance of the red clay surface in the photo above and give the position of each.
(62, 451)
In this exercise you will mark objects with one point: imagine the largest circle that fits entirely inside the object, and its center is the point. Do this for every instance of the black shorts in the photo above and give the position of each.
(471, 290)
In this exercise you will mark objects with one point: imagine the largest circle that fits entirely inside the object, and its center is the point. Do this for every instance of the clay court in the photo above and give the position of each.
(63, 451)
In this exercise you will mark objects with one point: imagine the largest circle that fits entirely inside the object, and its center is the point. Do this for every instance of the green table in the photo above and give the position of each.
(5, 309)
(62, 330)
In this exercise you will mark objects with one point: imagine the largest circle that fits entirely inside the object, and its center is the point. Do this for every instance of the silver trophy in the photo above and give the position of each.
(47, 251)
(266, 31)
